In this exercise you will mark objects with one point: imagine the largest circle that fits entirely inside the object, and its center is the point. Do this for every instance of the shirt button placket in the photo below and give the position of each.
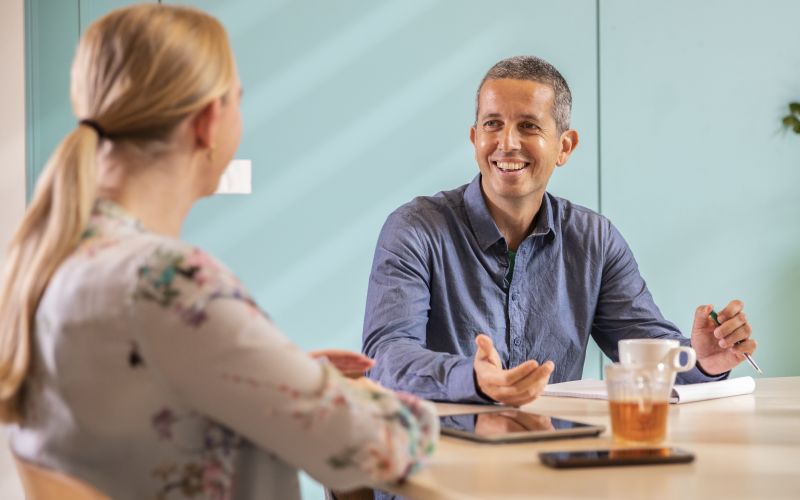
(518, 321)
(516, 341)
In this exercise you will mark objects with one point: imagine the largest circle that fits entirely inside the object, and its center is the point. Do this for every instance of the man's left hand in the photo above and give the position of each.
(720, 348)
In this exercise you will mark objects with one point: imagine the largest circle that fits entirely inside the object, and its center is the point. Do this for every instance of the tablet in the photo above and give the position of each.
(508, 426)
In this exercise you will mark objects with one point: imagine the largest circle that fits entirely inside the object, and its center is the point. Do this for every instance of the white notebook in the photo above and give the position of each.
(596, 389)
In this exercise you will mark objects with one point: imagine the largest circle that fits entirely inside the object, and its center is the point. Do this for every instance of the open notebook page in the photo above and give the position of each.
(596, 389)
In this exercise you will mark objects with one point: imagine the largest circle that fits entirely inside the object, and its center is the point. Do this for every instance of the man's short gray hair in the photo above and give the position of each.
(537, 70)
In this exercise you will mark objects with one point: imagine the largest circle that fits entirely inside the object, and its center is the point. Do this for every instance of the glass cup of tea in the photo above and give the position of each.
(638, 398)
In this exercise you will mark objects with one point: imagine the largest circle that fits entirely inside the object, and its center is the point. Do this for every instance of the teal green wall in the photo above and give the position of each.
(354, 107)
(696, 172)
(51, 32)
(351, 109)
(366, 109)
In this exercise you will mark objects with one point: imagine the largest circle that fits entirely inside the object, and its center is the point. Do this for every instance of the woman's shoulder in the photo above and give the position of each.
(149, 273)
(168, 267)
(156, 267)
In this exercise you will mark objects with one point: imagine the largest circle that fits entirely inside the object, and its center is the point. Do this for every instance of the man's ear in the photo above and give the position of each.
(472, 133)
(569, 141)
(204, 124)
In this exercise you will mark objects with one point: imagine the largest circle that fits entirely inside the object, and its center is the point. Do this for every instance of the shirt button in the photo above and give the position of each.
(517, 341)
(514, 296)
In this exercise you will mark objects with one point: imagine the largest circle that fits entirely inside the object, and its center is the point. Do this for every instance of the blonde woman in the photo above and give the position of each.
(132, 360)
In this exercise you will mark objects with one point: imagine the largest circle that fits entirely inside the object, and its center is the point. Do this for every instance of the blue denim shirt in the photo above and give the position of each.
(439, 279)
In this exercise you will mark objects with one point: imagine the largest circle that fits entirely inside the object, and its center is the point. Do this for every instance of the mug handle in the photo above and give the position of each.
(675, 359)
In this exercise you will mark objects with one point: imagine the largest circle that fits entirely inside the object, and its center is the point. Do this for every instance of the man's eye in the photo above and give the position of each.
(528, 126)
(491, 123)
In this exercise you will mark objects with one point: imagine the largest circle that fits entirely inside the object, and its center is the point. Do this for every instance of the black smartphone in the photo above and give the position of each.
(624, 456)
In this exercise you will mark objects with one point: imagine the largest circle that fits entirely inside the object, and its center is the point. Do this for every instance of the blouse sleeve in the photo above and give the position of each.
(221, 356)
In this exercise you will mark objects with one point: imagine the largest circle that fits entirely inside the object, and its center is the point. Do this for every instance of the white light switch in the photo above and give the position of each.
(237, 178)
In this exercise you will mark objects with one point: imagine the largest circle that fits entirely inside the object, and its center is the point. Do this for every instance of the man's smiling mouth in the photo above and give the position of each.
(510, 166)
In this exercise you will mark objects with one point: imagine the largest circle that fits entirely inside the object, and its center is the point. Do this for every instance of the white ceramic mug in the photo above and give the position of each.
(652, 352)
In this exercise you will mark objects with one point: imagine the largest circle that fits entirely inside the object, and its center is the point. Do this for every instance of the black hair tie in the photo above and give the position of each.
(96, 126)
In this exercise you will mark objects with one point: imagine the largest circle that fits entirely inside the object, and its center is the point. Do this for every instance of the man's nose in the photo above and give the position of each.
(509, 141)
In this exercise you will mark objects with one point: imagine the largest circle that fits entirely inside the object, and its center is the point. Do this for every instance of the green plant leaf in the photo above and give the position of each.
(792, 120)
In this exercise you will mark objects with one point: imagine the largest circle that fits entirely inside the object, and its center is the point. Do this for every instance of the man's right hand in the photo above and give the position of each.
(516, 386)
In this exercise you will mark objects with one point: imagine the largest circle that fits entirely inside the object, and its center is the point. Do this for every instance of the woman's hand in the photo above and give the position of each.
(351, 364)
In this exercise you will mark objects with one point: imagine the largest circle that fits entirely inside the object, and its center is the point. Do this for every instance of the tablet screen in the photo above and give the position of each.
(513, 425)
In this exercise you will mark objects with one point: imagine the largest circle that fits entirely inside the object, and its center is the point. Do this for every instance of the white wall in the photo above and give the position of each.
(12, 126)
(12, 168)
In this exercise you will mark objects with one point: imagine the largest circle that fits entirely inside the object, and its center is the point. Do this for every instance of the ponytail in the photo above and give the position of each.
(49, 232)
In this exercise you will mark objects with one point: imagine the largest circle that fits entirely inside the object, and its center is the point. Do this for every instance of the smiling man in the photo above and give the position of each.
(487, 292)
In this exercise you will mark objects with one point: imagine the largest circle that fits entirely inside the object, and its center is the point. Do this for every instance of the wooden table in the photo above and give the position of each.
(745, 447)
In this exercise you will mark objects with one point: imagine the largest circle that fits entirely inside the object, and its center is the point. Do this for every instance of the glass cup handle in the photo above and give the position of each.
(675, 359)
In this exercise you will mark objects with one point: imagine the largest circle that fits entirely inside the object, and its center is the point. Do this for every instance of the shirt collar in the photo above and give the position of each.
(484, 227)
(544, 218)
(106, 212)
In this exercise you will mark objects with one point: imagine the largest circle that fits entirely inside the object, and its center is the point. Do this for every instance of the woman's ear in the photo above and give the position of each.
(205, 123)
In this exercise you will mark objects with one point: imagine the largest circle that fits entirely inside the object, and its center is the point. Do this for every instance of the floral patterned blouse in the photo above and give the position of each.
(156, 376)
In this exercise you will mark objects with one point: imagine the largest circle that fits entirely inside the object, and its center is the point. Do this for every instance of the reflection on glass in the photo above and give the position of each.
(633, 453)
(505, 422)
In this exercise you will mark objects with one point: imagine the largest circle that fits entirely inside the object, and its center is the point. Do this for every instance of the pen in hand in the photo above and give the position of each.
(713, 316)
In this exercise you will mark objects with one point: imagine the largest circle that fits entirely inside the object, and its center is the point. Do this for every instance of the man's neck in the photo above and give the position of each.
(515, 219)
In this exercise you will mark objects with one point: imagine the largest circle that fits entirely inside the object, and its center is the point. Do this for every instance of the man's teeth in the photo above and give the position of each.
(506, 165)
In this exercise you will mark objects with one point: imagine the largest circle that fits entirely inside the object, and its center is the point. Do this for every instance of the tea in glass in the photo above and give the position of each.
(638, 399)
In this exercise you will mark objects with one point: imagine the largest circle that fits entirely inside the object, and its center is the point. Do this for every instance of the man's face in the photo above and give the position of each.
(517, 143)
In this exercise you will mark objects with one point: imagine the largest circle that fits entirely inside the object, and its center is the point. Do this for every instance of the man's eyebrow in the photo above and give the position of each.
(535, 118)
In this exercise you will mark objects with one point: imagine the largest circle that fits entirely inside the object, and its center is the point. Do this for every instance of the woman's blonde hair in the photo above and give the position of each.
(137, 73)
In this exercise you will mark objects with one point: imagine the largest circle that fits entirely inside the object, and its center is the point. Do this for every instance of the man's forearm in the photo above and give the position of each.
(431, 375)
